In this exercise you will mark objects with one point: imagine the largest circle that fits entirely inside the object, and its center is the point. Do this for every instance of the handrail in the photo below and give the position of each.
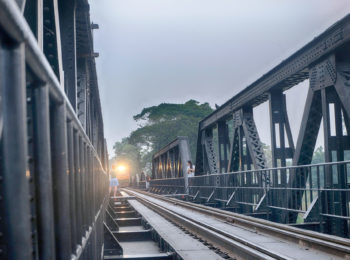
(277, 168)
(15, 25)
(268, 169)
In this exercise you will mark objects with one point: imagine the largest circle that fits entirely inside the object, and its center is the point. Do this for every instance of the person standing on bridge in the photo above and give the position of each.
(190, 169)
(113, 184)
(148, 180)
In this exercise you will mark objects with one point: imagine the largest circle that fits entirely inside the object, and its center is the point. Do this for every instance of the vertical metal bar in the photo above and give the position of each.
(93, 201)
(223, 143)
(342, 178)
(14, 152)
(60, 179)
(81, 178)
(329, 195)
(320, 201)
(91, 187)
(83, 182)
(240, 145)
(311, 185)
(40, 23)
(43, 172)
(78, 187)
(71, 171)
(68, 39)
(184, 155)
(326, 126)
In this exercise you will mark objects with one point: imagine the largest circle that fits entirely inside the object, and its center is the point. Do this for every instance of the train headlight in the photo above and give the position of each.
(121, 168)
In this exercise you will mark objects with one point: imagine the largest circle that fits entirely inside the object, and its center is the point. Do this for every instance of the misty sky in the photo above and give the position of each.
(154, 51)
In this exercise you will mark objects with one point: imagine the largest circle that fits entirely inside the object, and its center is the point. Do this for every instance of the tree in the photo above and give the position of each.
(159, 125)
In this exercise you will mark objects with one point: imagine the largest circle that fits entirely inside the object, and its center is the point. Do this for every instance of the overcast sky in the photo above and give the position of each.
(154, 51)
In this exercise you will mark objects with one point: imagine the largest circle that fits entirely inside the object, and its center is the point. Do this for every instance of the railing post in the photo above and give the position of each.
(60, 180)
(43, 173)
(15, 186)
(78, 187)
(71, 170)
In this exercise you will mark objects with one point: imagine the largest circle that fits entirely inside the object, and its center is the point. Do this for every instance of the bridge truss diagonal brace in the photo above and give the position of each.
(244, 126)
(207, 138)
(234, 161)
(253, 141)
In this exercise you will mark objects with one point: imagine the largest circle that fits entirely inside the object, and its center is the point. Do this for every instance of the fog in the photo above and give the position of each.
(154, 51)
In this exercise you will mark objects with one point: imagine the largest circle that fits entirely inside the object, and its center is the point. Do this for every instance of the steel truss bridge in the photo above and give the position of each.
(231, 168)
(54, 201)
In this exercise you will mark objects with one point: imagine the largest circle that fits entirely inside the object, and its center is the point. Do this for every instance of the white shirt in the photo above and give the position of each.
(190, 174)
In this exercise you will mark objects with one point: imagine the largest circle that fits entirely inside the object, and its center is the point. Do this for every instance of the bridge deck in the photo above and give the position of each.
(185, 246)
(269, 243)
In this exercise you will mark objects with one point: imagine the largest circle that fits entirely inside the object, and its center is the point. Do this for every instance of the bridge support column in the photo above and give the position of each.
(282, 145)
(328, 99)
(282, 149)
(224, 146)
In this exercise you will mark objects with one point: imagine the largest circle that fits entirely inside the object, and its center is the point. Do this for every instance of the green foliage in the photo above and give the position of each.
(318, 156)
(159, 125)
(166, 111)
(268, 155)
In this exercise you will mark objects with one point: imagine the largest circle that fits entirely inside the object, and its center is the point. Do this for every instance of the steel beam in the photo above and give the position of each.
(287, 74)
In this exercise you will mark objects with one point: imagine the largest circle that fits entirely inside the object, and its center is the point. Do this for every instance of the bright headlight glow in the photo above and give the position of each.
(121, 168)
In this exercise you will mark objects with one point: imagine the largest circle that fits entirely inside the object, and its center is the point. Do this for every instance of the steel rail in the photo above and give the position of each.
(232, 245)
(326, 243)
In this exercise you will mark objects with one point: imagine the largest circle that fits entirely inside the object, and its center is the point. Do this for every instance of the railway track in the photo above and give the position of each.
(302, 244)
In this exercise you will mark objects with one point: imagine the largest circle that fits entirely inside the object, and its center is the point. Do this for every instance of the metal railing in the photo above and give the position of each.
(317, 194)
(168, 186)
(141, 185)
(324, 196)
(53, 187)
